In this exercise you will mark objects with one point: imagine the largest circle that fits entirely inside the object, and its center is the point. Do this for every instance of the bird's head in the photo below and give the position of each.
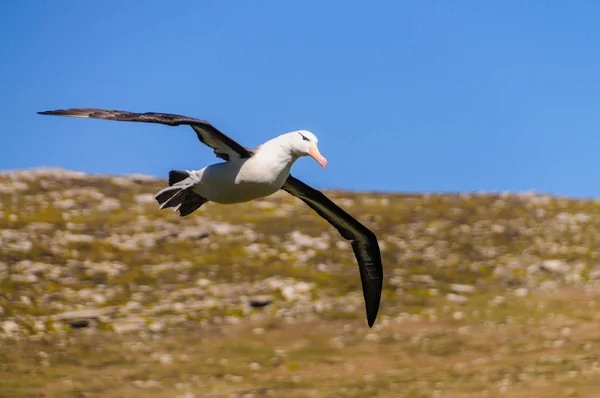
(304, 143)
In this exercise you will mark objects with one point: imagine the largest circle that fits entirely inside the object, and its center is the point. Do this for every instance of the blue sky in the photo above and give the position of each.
(404, 96)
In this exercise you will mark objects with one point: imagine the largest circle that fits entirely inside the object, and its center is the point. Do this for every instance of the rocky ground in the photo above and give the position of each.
(102, 294)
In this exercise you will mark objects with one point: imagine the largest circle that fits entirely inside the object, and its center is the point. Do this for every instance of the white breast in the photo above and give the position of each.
(241, 180)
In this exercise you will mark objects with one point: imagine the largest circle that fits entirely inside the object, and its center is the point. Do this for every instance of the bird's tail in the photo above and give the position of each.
(180, 195)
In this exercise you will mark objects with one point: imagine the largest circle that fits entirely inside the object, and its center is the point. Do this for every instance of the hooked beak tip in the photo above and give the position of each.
(316, 155)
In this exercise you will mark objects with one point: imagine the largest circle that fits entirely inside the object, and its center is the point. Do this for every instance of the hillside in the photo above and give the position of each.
(103, 294)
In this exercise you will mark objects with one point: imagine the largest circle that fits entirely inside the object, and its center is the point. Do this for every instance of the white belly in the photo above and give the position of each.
(236, 192)
(239, 181)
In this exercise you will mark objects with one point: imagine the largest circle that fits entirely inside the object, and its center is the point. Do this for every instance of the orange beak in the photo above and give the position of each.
(314, 152)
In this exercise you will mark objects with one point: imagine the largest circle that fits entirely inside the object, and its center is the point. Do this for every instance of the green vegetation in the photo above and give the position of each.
(102, 294)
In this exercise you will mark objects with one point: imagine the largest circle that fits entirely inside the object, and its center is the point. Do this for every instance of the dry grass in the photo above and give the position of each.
(179, 323)
(552, 350)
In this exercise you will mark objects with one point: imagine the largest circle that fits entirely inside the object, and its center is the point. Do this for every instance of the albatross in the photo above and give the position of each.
(248, 174)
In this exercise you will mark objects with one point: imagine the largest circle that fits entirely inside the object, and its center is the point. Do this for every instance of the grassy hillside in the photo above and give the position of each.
(102, 294)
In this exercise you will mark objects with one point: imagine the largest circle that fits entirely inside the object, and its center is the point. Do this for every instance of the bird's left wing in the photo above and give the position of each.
(224, 147)
(364, 241)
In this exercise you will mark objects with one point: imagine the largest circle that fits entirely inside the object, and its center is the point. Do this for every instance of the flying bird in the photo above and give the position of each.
(248, 174)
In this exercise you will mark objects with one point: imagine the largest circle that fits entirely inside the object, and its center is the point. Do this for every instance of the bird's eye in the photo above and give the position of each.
(304, 137)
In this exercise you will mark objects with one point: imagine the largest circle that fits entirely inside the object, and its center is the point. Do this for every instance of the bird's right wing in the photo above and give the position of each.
(223, 146)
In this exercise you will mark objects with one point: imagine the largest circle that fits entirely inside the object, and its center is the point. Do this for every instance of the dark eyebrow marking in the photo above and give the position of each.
(304, 137)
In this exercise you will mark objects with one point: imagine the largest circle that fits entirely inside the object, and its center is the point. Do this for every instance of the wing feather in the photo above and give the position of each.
(223, 146)
(364, 241)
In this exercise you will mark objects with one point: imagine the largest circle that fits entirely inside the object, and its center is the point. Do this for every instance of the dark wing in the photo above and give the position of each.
(224, 147)
(364, 241)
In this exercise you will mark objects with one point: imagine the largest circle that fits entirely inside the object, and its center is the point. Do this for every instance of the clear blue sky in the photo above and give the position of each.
(404, 96)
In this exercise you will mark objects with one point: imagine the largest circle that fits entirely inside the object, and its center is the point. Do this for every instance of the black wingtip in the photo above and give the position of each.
(58, 112)
(372, 293)
(371, 319)
(372, 312)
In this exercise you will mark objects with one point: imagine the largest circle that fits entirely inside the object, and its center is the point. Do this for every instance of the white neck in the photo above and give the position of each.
(273, 161)
(278, 151)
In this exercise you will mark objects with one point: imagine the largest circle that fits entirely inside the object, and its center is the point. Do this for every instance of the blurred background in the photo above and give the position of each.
(463, 134)
(439, 97)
